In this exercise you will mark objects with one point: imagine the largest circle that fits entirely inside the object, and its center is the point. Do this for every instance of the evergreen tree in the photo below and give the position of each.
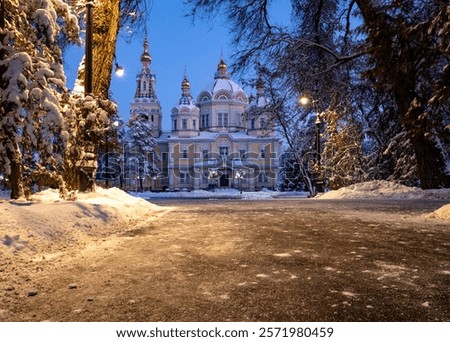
(140, 152)
(32, 88)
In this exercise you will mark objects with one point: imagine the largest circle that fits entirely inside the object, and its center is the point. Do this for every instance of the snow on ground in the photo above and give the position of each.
(391, 190)
(219, 193)
(366, 190)
(47, 220)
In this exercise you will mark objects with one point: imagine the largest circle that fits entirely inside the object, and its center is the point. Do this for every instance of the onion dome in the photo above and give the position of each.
(222, 70)
(223, 88)
(145, 57)
(185, 85)
(186, 97)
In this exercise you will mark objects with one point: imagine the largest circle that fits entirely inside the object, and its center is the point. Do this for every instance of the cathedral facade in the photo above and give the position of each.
(221, 139)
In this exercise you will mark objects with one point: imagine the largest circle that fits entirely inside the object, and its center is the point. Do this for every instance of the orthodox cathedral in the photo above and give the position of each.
(218, 140)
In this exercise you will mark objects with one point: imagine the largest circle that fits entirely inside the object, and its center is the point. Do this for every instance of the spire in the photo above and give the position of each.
(146, 59)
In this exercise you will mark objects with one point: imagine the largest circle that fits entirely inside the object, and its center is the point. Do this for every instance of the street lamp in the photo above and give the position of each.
(213, 174)
(119, 70)
(304, 101)
(239, 175)
(140, 179)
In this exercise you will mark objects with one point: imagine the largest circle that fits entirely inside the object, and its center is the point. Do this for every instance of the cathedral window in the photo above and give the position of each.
(185, 153)
(184, 123)
(222, 120)
(175, 124)
(144, 86)
(205, 154)
(153, 118)
(252, 123)
(205, 120)
(194, 124)
(242, 154)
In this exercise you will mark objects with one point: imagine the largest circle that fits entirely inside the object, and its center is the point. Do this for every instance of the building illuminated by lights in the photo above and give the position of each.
(223, 138)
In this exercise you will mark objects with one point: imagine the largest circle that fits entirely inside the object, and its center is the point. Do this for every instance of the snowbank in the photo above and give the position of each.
(441, 213)
(391, 190)
(384, 189)
(46, 222)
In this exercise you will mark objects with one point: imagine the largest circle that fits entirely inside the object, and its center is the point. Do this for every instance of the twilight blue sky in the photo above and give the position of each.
(175, 44)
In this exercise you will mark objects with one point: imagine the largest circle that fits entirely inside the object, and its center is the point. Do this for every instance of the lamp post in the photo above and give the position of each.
(239, 175)
(87, 166)
(319, 180)
(114, 124)
(304, 101)
(213, 174)
(88, 48)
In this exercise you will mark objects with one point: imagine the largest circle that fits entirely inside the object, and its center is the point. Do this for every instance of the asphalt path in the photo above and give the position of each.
(269, 260)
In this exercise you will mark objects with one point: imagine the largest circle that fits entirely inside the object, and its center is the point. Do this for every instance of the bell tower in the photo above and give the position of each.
(145, 102)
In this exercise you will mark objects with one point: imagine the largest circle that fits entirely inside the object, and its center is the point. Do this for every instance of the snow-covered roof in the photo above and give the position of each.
(212, 136)
(223, 87)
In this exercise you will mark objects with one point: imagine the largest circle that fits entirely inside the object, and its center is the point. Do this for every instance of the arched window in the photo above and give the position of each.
(144, 85)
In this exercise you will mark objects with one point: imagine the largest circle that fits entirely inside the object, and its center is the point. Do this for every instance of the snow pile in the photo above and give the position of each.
(46, 223)
(386, 190)
(391, 190)
(441, 213)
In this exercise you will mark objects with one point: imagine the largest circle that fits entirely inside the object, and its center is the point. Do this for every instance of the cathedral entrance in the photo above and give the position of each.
(224, 181)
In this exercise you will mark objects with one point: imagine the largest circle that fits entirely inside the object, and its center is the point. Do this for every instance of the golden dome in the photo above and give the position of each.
(185, 85)
(145, 57)
(221, 65)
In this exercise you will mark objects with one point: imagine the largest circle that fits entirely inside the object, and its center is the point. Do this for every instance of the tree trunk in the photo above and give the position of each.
(16, 175)
(106, 28)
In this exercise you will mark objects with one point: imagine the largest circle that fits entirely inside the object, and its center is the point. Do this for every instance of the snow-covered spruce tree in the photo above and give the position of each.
(32, 88)
(140, 143)
(88, 119)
